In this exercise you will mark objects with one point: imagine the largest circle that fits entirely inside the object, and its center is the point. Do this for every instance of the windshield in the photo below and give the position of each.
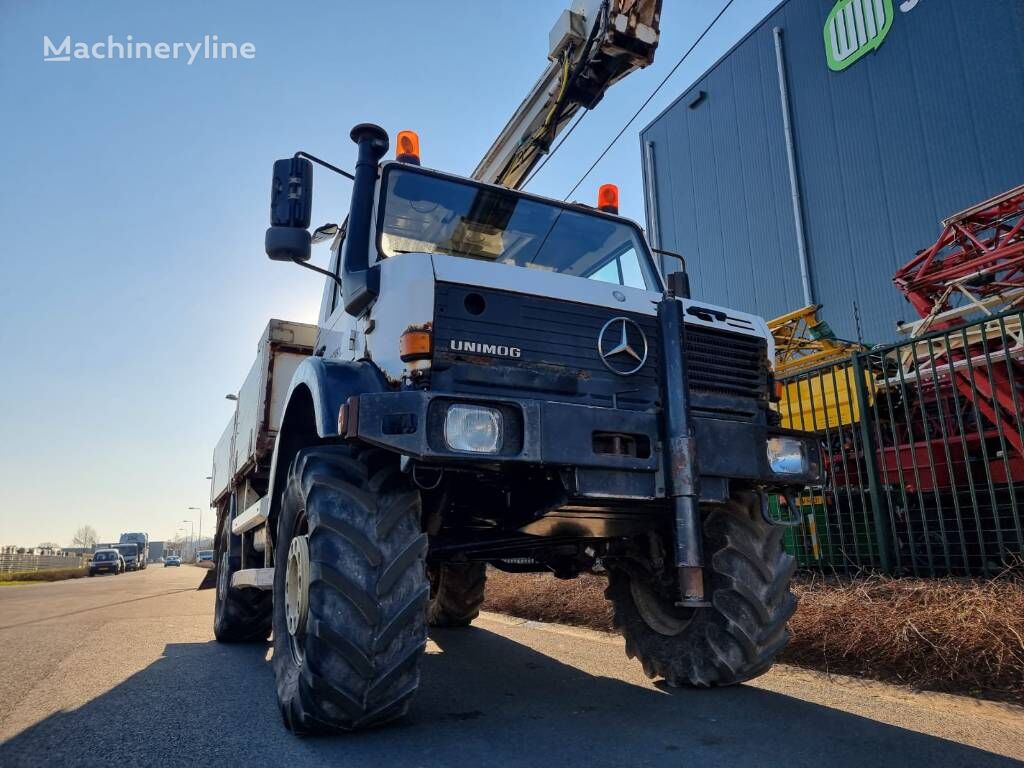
(424, 213)
(104, 556)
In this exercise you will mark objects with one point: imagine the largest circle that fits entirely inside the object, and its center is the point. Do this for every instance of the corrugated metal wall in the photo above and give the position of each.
(930, 123)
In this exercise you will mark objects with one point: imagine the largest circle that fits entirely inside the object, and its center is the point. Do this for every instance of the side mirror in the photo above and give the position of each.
(676, 283)
(291, 207)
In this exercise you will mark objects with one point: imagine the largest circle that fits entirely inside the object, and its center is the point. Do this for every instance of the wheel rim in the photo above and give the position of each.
(657, 611)
(296, 591)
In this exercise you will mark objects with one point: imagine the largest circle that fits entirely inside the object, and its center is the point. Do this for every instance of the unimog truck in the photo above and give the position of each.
(507, 381)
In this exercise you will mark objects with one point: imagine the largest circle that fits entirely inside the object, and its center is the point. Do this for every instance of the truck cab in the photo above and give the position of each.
(460, 240)
(130, 554)
(141, 541)
(492, 293)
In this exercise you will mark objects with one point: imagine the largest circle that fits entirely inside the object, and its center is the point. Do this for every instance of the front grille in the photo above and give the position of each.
(549, 332)
(556, 342)
(723, 363)
(558, 357)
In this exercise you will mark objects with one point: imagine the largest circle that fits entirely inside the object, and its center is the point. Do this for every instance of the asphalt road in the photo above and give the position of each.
(98, 670)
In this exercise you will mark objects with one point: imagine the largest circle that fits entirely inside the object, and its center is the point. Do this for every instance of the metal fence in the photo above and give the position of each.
(924, 454)
(11, 562)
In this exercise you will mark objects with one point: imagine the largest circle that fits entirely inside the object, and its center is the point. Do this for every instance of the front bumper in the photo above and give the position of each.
(558, 434)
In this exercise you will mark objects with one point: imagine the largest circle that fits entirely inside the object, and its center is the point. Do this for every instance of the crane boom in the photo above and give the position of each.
(595, 44)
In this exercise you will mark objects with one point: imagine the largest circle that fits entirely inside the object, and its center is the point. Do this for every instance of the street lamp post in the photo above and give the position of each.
(200, 511)
(192, 536)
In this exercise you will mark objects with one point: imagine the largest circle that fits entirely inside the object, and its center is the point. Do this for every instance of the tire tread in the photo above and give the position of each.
(738, 638)
(367, 592)
(459, 593)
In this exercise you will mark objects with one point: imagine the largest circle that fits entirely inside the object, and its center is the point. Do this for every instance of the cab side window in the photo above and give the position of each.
(629, 265)
(339, 247)
(609, 273)
(624, 269)
(334, 286)
(332, 290)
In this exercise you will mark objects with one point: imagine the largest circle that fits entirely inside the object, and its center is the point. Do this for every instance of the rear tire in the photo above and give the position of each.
(239, 615)
(747, 576)
(456, 593)
(352, 660)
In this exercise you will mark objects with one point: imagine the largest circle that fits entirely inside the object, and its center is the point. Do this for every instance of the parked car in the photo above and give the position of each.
(106, 561)
(172, 560)
(204, 556)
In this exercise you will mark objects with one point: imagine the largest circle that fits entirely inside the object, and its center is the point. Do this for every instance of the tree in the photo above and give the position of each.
(85, 536)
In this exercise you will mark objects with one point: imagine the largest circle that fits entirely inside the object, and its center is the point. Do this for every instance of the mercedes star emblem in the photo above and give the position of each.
(622, 346)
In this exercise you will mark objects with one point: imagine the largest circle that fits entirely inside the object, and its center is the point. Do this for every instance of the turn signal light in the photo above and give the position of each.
(348, 417)
(608, 198)
(414, 345)
(407, 148)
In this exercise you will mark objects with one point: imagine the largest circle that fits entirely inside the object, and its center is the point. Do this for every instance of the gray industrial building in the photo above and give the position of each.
(900, 114)
(156, 551)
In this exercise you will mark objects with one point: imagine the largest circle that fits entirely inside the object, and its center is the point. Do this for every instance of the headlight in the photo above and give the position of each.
(473, 428)
(786, 456)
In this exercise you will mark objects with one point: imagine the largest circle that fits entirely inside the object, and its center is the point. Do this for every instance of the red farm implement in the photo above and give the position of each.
(973, 271)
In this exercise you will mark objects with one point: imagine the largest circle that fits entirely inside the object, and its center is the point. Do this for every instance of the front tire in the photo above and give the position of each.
(747, 576)
(350, 588)
(456, 593)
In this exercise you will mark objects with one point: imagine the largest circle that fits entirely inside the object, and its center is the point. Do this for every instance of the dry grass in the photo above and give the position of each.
(542, 597)
(937, 634)
(940, 634)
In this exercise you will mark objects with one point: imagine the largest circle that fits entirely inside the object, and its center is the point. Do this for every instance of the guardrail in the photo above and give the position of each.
(924, 454)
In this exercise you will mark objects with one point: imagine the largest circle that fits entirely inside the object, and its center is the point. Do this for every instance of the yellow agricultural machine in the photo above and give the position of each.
(818, 392)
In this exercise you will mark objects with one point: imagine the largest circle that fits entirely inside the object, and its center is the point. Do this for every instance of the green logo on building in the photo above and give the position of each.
(855, 28)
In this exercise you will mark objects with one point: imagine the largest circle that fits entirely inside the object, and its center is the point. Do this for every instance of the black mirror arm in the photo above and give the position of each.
(676, 283)
(325, 164)
(673, 254)
(325, 272)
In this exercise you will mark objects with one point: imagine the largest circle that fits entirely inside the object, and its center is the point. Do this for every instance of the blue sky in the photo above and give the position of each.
(134, 284)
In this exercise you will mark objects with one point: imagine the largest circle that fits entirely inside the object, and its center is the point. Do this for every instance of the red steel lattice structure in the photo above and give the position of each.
(978, 257)
(974, 269)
